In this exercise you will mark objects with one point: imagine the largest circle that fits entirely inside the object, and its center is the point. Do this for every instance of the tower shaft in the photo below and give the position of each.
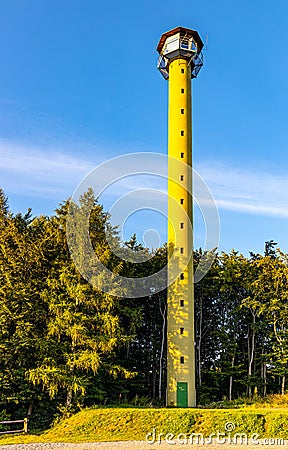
(180, 59)
(180, 301)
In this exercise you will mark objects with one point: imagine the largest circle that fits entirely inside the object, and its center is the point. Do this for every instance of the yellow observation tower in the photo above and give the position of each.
(180, 60)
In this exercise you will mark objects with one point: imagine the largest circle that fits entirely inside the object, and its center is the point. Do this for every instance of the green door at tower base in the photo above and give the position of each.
(182, 395)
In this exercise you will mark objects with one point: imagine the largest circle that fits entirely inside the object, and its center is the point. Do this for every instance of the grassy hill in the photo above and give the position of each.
(268, 419)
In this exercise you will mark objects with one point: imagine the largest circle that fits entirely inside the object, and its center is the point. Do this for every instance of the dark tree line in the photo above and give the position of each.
(241, 326)
(65, 344)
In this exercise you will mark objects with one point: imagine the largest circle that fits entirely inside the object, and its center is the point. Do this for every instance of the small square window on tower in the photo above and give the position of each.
(182, 225)
(181, 177)
(182, 132)
(182, 250)
(181, 201)
(182, 91)
(181, 330)
(181, 276)
(181, 359)
(182, 110)
(182, 71)
(181, 303)
(182, 155)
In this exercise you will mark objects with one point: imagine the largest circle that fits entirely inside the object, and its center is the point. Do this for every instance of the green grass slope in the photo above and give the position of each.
(113, 424)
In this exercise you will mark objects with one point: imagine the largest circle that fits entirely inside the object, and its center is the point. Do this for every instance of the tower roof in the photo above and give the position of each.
(183, 31)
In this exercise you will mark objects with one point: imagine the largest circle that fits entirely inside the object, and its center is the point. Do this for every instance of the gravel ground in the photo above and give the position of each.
(139, 445)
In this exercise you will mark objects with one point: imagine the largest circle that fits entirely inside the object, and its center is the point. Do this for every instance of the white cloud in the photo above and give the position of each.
(46, 172)
(54, 173)
(50, 172)
(246, 191)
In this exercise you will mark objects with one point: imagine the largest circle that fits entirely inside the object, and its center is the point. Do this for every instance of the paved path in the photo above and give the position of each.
(141, 445)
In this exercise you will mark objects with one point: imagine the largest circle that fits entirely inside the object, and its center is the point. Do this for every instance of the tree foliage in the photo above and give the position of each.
(64, 343)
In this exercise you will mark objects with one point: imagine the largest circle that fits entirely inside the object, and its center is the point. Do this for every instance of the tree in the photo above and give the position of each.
(83, 324)
(271, 292)
(4, 208)
(207, 320)
(22, 311)
(146, 353)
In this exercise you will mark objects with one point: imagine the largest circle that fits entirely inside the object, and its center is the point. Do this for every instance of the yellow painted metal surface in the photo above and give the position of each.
(180, 321)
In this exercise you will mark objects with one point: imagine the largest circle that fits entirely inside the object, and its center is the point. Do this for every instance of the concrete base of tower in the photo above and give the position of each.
(181, 394)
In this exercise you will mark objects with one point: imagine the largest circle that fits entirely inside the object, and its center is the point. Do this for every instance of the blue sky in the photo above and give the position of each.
(79, 85)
